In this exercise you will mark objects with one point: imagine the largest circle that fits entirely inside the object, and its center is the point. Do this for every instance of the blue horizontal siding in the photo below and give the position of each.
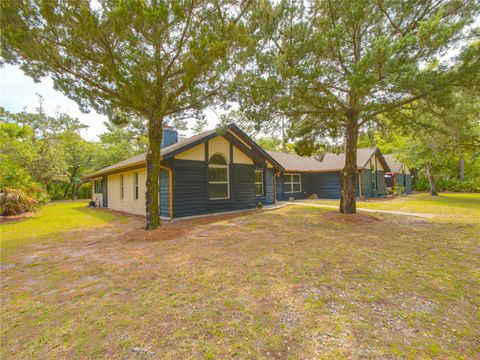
(279, 187)
(269, 187)
(190, 187)
(325, 185)
(164, 193)
(381, 188)
(268, 184)
(296, 195)
(242, 188)
(408, 183)
(366, 183)
(189, 191)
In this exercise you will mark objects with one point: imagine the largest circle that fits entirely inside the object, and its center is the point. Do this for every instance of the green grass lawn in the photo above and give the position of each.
(52, 222)
(297, 282)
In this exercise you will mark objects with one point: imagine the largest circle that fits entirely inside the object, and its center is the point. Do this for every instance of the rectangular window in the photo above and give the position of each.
(98, 186)
(292, 183)
(135, 185)
(122, 193)
(259, 182)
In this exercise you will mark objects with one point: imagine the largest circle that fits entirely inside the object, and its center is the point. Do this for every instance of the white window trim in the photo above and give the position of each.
(122, 187)
(259, 183)
(292, 182)
(98, 181)
(136, 188)
(220, 182)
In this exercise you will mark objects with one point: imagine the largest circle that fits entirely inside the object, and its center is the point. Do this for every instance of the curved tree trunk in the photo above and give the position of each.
(348, 203)
(76, 186)
(431, 179)
(153, 173)
(66, 190)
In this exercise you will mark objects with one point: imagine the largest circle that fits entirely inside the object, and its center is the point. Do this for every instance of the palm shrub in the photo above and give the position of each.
(16, 202)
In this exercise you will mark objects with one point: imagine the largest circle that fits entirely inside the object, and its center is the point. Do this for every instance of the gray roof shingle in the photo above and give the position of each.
(330, 162)
(142, 158)
(394, 165)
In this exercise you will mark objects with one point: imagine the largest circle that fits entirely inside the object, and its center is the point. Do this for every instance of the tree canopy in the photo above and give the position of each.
(331, 67)
(158, 60)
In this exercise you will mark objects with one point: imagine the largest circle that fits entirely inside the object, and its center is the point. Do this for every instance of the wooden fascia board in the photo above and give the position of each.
(131, 167)
(379, 154)
(315, 171)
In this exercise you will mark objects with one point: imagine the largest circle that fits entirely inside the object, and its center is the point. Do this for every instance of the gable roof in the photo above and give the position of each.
(330, 162)
(170, 151)
(394, 165)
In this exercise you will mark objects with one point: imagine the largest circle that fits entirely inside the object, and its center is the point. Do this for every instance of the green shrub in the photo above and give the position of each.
(85, 191)
(398, 190)
(445, 184)
(35, 191)
(16, 202)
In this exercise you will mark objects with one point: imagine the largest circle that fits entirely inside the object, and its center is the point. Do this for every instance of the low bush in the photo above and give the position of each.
(18, 201)
(398, 190)
(15, 202)
(445, 184)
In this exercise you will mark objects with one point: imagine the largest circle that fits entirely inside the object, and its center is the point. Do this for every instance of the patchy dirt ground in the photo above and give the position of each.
(296, 282)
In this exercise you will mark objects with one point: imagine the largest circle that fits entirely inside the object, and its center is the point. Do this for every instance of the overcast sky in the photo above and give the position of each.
(18, 91)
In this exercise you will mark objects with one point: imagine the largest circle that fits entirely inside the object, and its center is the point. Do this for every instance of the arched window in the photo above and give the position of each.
(218, 184)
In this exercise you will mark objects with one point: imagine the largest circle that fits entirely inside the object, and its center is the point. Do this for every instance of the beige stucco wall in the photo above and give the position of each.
(379, 164)
(240, 158)
(195, 153)
(219, 145)
(216, 145)
(127, 204)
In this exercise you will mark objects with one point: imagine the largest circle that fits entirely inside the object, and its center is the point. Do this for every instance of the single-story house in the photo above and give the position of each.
(399, 174)
(303, 176)
(226, 171)
(207, 173)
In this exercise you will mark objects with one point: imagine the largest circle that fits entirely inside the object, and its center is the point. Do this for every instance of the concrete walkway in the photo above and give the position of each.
(426, 216)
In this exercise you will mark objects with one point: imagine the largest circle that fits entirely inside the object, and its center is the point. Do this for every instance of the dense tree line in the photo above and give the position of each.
(46, 158)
